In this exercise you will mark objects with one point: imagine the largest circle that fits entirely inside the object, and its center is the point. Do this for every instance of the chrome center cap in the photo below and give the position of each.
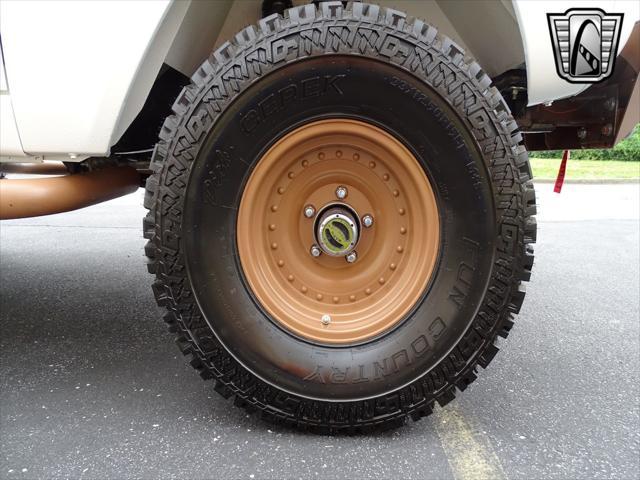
(337, 231)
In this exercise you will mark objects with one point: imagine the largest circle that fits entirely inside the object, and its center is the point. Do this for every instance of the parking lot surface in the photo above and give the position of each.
(91, 385)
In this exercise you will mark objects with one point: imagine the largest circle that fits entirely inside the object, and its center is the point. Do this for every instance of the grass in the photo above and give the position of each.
(547, 169)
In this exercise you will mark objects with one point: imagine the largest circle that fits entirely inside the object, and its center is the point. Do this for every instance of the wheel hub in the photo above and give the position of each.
(338, 231)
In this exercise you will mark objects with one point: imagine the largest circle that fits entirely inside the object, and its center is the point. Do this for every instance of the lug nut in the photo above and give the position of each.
(367, 221)
(351, 257)
(315, 251)
(326, 319)
(341, 192)
(309, 211)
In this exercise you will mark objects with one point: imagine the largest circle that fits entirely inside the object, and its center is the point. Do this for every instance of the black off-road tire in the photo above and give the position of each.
(423, 61)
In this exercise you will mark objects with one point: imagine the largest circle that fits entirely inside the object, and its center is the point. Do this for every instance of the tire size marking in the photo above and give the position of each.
(454, 134)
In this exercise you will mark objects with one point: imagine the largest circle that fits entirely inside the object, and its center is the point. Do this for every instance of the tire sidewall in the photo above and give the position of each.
(387, 96)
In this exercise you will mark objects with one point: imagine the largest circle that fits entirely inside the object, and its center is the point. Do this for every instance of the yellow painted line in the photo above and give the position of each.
(469, 452)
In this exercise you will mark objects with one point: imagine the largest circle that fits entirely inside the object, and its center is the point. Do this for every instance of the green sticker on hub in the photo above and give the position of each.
(337, 235)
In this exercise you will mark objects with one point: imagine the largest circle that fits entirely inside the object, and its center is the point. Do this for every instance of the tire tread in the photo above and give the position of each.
(161, 227)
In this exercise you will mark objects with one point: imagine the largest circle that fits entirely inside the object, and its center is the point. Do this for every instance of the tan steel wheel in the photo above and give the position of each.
(325, 298)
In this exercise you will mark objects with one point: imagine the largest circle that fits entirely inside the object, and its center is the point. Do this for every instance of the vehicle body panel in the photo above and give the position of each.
(9, 138)
(72, 66)
(78, 73)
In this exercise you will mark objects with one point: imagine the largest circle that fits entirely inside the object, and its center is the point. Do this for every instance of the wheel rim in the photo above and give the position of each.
(328, 298)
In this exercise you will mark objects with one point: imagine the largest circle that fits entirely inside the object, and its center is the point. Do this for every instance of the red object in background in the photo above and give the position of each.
(561, 171)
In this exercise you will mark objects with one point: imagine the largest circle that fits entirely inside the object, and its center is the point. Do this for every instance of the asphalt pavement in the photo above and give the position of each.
(92, 386)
